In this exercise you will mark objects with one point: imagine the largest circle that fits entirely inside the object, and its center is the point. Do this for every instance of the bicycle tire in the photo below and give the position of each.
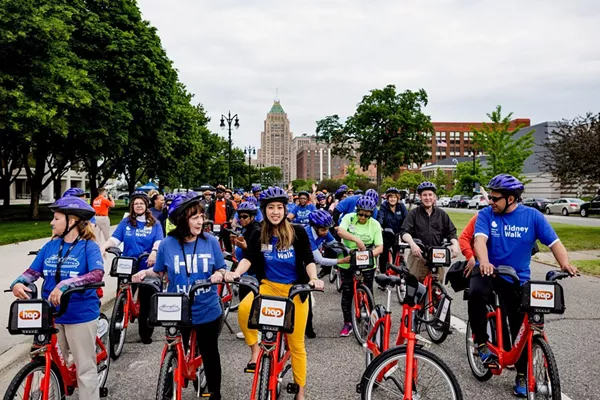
(332, 274)
(235, 298)
(479, 371)
(226, 304)
(437, 336)
(105, 339)
(552, 387)
(144, 329)
(391, 356)
(263, 379)
(338, 280)
(200, 376)
(117, 336)
(360, 328)
(35, 365)
(166, 380)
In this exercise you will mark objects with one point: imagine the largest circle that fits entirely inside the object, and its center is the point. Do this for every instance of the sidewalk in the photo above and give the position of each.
(548, 258)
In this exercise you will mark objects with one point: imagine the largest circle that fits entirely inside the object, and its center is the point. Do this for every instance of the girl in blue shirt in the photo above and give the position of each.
(189, 255)
(140, 233)
(72, 258)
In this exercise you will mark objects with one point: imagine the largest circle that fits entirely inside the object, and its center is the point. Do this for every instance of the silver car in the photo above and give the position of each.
(564, 206)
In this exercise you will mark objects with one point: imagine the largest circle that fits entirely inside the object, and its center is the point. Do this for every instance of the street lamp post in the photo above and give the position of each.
(260, 173)
(473, 155)
(236, 123)
(250, 150)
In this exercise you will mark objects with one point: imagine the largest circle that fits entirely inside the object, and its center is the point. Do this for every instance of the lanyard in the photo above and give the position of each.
(187, 274)
(61, 259)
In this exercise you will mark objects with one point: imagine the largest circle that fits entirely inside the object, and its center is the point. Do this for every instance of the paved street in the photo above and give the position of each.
(335, 364)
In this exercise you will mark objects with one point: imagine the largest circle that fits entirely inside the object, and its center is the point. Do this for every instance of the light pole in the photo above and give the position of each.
(260, 173)
(473, 155)
(250, 150)
(230, 118)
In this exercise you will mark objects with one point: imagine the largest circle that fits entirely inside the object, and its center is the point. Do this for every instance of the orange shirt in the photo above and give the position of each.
(220, 211)
(101, 205)
(466, 239)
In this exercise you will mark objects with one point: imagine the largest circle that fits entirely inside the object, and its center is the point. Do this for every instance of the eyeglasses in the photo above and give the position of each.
(495, 199)
(364, 215)
(244, 216)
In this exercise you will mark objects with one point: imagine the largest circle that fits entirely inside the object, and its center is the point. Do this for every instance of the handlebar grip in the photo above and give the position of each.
(114, 250)
(66, 296)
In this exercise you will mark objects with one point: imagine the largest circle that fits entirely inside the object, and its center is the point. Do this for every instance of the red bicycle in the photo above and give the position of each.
(47, 376)
(407, 371)
(396, 261)
(126, 308)
(538, 298)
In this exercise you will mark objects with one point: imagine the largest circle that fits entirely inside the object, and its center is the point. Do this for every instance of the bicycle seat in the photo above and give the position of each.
(152, 282)
(388, 280)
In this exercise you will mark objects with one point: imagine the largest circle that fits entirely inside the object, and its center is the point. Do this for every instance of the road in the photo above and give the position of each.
(335, 364)
(571, 219)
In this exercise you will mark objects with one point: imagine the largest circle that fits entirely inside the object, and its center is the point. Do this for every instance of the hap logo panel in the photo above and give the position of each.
(542, 295)
(272, 312)
(30, 315)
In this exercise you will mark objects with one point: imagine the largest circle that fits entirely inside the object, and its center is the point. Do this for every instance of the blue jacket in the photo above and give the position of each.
(389, 219)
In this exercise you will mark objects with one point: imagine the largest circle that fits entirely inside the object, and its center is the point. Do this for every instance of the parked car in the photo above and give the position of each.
(477, 201)
(443, 201)
(459, 201)
(590, 207)
(538, 203)
(565, 206)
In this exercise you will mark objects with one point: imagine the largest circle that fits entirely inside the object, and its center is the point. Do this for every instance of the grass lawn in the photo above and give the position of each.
(574, 237)
(591, 267)
(14, 226)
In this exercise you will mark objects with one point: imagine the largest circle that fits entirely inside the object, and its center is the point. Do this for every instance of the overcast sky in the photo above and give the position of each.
(538, 59)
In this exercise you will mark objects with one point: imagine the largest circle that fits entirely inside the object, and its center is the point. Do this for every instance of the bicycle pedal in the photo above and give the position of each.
(358, 388)
(103, 392)
(492, 365)
(249, 370)
(205, 395)
(293, 388)
(421, 339)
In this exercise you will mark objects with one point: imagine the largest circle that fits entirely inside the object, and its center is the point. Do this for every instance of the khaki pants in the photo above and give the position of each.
(416, 266)
(80, 341)
(102, 225)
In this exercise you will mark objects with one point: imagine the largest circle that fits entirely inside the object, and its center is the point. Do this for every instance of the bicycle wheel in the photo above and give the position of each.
(338, 280)
(235, 298)
(27, 382)
(545, 370)
(332, 274)
(167, 384)
(104, 337)
(117, 330)
(200, 376)
(480, 371)
(360, 323)
(226, 304)
(263, 379)
(437, 335)
(385, 377)
(377, 313)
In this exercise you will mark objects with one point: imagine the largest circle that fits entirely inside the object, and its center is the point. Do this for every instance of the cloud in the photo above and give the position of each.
(538, 59)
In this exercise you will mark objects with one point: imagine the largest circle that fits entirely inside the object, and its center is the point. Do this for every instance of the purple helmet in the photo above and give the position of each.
(169, 196)
(139, 195)
(372, 193)
(251, 199)
(366, 203)
(339, 194)
(505, 182)
(320, 219)
(392, 190)
(256, 188)
(320, 196)
(74, 191)
(426, 186)
(71, 205)
(180, 203)
(248, 207)
(344, 188)
(273, 194)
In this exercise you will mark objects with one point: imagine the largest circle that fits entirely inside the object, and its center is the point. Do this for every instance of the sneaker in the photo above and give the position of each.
(240, 335)
(520, 388)
(347, 328)
(485, 354)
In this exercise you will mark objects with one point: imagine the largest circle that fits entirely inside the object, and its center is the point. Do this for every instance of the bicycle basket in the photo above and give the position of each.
(439, 257)
(216, 228)
(543, 297)
(169, 309)
(272, 314)
(29, 317)
(123, 267)
(402, 245)
(362, 259)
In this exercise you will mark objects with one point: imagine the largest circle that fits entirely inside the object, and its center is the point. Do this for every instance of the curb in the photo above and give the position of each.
(21, 350)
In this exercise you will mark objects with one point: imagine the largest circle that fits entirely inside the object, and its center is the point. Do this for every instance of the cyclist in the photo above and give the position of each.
(358, 191)
(505, 234)
(320, 201)
(318, 234)
(256, 191)
(300, 213)
(188, 255)
(206, 198)
(391, 216)
(140, 233)
(358, 230)
(72, 258)
(77, 192)
(429, 224)
(283, 259)
(258, 217)
(158, 209)
(348, 205)
(221, 211)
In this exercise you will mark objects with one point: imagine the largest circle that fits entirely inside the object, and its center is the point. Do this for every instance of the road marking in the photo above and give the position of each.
(460, 325)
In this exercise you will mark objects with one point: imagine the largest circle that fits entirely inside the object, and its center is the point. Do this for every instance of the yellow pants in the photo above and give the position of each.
(295, 340)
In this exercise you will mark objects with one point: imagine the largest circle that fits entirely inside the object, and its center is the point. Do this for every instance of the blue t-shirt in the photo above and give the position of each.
(315, 241)
(258, 218)
(280, 265)
(348, 205)
(512, 236)
(83, 258)
(301, 213)
(201, 265)
(139, 239)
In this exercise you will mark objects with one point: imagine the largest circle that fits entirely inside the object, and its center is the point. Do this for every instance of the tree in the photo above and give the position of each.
(352, 177)
(331, 185)
(504, 153)
(441, 179)
(409, 180)
(466, 177)
(388, 128)
(572, 152)
(270, 176)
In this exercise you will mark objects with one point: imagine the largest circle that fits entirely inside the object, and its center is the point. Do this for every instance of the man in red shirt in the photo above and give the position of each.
(221, 211)
(101, 205)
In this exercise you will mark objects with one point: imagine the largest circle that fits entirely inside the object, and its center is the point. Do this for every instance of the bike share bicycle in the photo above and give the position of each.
(537, 299)
(396, 263)
(47, 376)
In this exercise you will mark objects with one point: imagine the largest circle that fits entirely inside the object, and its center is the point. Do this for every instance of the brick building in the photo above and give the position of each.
(314, 160)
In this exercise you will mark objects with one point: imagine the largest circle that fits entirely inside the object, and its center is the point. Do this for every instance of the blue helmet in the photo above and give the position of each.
(344, 188)
(366, 203)
(249, 207)
(72, 205)
(320, 196)
(320, 219)
(273, 194)
(358, 191)
(505, 182)
(169, 197)
(139, 195)
(180, 203)
(74, 191)
(372, 193)
(392, 190)
(426, 186)
(339, 193)
(256, 188)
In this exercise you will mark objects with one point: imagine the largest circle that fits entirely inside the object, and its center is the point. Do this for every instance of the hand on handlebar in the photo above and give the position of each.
(137, 278)
(20, 291)
(317, 284)
(344, 260)
(416, 250)
(361, 246)
(469, 266)
(455, 251)
(55, 296)
(570, 269)
(486, 269)
(151, 259)
(217, 277)
(231, 276)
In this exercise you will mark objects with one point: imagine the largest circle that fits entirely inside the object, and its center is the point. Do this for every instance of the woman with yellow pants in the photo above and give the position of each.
(283, 259)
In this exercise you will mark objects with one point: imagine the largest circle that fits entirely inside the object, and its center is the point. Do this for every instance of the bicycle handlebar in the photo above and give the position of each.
(66, 296)
(118, 253)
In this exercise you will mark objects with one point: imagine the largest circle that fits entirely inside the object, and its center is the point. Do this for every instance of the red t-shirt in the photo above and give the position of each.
(101, 205)
(220, 211)
(465, 240)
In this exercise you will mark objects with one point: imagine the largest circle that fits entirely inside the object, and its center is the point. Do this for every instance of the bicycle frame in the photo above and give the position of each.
(277, 364)
(131, 309)
(356, 280)
(187, 364)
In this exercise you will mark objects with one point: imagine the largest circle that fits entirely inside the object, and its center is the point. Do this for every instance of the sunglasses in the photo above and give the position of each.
(364, 215)
(243, 216)
(495, 199)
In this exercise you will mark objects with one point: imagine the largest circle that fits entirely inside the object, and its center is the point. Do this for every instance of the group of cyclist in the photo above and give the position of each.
(280, 243)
